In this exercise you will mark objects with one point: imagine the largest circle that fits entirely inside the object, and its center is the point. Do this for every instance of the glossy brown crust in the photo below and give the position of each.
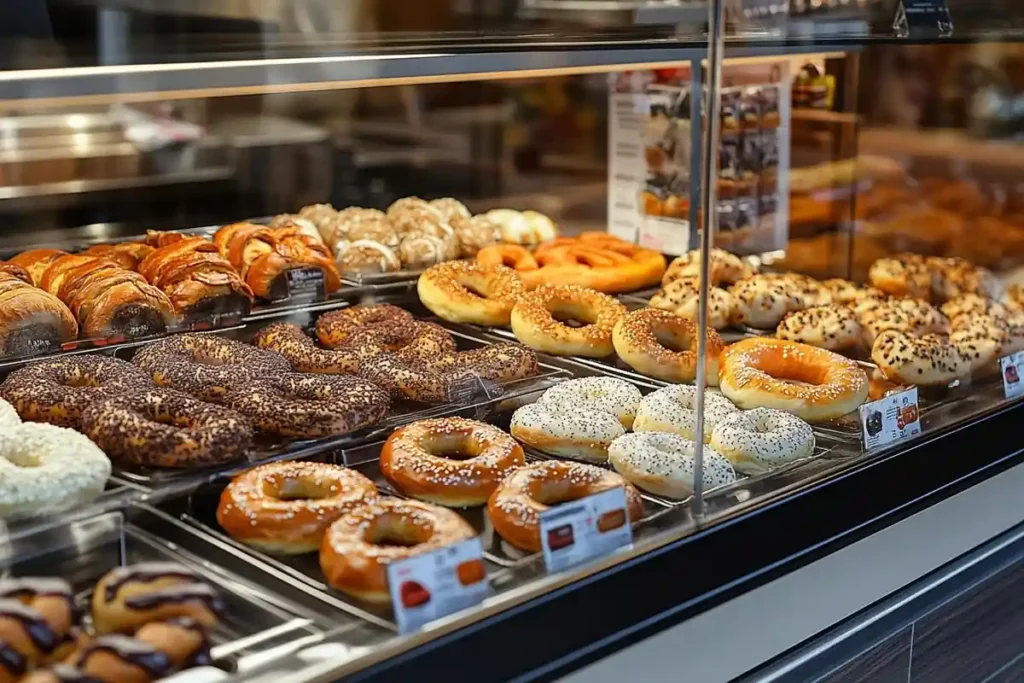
(534, 320)
(353, 559)
(814, 384)
(286, 507)
(126, 254)
(14, 270)
(261, 254)
(162, 428)
(307, 406)
(128, 597)
(333, 328)
(68, 266)
(302, 352)
(514, 507)
(207, 366)
(191, 272)
(414, 460)
(59, 391)
(31, 319)
(637, 338)
(36, 261)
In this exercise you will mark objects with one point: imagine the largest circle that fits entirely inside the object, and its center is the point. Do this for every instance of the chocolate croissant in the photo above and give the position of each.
(31, 320)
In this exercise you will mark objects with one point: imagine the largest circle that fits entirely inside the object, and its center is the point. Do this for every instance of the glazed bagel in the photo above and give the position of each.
(835, 328)
(723, 268)
(813, 384)
(673, 409)
(165, 428)
(929, 360)
(309, 406)
(465, 292)
(608, 394)
(359, 546)
(762, 301)
(291, 342)
(902, 275)
(415, 459)
(45, 468)
(59, 391)
(574, 432)
(207, 366)
(646, 340)
(514, 507)
(537, 320)
(285, 508)
(332, 329)
(665, 464)
(128, 597)
(682, 297)
(759, 440)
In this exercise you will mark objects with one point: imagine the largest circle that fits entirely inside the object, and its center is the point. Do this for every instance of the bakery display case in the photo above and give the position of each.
(338, 341)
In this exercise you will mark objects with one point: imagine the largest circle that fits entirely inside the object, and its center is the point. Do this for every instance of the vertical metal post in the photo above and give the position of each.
(696, 138)
(708, 223)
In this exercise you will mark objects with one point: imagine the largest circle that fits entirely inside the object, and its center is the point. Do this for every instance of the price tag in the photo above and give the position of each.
(298, 282)
(1011, 368)
(429, 586)
(890, 420)
(593, 526)
(923, 17)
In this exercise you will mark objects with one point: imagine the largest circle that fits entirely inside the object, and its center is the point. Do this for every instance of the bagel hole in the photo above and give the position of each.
(396, 531)
(451, 447)
(571, 315)
(81, 382)
(295, 489)
(554, 493)
(474, 288)
(671, 341)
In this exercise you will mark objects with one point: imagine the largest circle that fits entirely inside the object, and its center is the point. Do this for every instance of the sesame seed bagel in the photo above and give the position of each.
(308, 406)
(835, 328)
(449, 461)
(952, 277)
(166, 428)
(358, 548)
(285, 508)
(673, 409)
(514, 507)
(682, 297)
(647, 341)
(537, 320)
(814, 384)
(929, 360)
(466, 292)
(758, 440)
(665, 464)
(207, 366)
(580, 433)
(59, 391)
(45, 468)
(612, 395)
(847, 293)
(291, 342)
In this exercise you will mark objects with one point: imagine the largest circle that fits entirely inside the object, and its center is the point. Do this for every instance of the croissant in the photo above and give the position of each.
(31, 320)
(36, 261)
(196, 278)
(127, 254)
(107, 299)
(262, 254)
(16, 271)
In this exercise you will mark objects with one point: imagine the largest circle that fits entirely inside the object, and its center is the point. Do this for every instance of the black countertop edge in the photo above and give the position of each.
(595, 617)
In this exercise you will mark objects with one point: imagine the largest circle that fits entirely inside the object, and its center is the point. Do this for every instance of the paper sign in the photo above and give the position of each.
(583, 529)
(627, 113)
(923, 17)
(429, 586)
(1010, 367)
(890, 420)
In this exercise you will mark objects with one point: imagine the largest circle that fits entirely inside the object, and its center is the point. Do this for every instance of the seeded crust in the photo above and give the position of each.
(291, 342)
(846, 293)
(952, 277)
(911, 316)
(723, 268)
(762, 301)
(673, 409)
(829, 327)
(759, 440)
(980, 338)
(902, 275)
(612, 395)
(664, 464)
(973, 304)
(580, 433)
(446, 290)
(682, 297)
(928, 361)
(637, 341)
(332, 329)
(534, 324)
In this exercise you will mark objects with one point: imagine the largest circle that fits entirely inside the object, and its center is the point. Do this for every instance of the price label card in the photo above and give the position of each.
(305, 281)
(890, 420)
(923, 17)
(1011, 368)
(583, 529)
(429, 586)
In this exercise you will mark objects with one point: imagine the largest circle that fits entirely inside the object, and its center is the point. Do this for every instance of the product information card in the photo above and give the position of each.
(578, 531)
(890, 420)
(1010, 367)
(627, 119)
(429, 586)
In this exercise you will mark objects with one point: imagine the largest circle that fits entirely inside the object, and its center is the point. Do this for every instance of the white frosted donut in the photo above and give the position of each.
(48, 468)
(830, 327)
(970, 304)
(8, 417)
(612, 395)
(980, 338)
(580, 433)
(758, 440)
(664, 464)
(928, 360)
(682, 297)
(673, 409)
(762, 301)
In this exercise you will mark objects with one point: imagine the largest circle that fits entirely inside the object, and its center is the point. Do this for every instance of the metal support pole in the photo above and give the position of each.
(696, 140)
(708, 223)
